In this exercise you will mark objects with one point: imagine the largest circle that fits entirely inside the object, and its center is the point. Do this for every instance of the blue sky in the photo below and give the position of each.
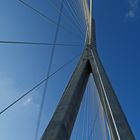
(23, 66)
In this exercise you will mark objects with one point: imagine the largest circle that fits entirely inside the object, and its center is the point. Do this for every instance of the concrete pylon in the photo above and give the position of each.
(62, 122)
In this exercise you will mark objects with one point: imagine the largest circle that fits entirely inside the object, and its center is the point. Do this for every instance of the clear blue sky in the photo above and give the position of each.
(23, 66)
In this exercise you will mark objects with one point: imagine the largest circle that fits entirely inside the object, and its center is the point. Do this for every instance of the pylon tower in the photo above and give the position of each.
(62, 122)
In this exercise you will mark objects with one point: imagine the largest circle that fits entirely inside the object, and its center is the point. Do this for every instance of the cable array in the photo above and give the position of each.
(75, 23)
(46, 17)
(67, 18)
(75, 20)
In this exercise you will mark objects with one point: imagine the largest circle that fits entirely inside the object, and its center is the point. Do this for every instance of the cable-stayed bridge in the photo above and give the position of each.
(88, 107)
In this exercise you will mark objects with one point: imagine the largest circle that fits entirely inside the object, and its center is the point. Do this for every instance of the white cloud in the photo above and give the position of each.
(33, 99)
(133, 6)
(131, 14)
(27, 101)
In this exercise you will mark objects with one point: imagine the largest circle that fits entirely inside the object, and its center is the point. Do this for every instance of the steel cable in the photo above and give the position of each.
(37, 43)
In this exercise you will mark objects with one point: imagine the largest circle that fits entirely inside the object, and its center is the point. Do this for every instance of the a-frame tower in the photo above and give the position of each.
(62, 122)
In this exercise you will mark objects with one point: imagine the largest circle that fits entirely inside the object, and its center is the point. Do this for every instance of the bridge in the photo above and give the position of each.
(88, 99)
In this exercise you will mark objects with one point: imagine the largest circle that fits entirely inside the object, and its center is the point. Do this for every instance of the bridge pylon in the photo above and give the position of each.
(62, 122)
